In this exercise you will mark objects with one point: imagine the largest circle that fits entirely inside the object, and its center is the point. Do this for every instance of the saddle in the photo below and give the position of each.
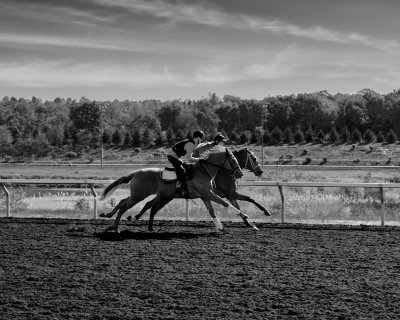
(169, 174)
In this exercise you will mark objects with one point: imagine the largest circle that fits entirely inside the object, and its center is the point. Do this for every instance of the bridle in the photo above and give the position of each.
(249, 159)
(221, 167)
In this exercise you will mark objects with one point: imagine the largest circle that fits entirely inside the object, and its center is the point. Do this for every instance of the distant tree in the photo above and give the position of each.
(116, 137)
(86, 116)
(345, 135)
(267, 138)
(106, 137)
(243, 138)
(234, 137)
(391, 136)
(170, 136)
(356, 136)
(288, 136)
(127, 140)
(5, 140)
(320, 136)
(161, 138)
(309, 135)
(146, 137)
(380, 137)
(369, 136)
(180, 135)
(334, 136)
(277, 136)
(136, 139)
(253, 138)
(299, 136)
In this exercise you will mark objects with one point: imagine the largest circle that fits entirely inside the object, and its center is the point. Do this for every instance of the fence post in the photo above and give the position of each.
(8, 206)
(94, 200)
(382, 205)
(187, 210)
(283, 203)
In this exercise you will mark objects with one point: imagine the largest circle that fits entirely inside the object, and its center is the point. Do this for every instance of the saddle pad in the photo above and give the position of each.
(168, 174)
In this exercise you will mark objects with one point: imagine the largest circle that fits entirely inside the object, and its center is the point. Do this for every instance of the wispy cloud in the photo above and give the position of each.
(215, 17)
(69, 73)
(57, 41)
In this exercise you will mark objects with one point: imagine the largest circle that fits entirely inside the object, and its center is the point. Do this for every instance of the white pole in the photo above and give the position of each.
(187, 210)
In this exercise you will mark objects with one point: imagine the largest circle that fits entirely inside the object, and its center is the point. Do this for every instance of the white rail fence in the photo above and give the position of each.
(280, 185)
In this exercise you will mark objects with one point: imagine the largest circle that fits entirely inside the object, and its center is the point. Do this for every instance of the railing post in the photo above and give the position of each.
(283, 203)
(382, 205)
(94, 200)
(187, 210)
(8, 206)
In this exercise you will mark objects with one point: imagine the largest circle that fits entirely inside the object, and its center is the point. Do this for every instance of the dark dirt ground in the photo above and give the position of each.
(63, 269)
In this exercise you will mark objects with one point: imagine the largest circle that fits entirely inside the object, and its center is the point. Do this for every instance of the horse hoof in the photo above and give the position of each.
(103, 215)
(129, 218)
(112, 229)
(267, 213)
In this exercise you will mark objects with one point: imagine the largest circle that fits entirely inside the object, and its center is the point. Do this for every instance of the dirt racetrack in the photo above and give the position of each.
(63, 269)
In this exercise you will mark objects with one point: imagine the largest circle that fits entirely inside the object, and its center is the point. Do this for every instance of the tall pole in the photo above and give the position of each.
(101, 144)
(101, 135)
(262, 136)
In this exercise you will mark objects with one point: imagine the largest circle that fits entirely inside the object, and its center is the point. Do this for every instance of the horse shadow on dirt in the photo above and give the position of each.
(160, 235)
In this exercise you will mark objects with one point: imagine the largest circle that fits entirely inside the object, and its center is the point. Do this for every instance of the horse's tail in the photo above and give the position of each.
(114, 185)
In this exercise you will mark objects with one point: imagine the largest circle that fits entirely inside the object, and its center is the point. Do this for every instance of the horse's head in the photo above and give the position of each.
(234, 165)
(223, 158)
(248, 160)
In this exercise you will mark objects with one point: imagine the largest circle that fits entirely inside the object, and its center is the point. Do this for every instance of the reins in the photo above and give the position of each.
(221, 167)
(253, 166)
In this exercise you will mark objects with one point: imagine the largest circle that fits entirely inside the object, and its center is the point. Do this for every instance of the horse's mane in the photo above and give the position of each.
(244, 149)
(239, 150)
(213, 150)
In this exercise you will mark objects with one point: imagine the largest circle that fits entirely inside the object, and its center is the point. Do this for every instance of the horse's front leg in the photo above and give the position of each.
(236, 195)
(218, 226)
(243, 216)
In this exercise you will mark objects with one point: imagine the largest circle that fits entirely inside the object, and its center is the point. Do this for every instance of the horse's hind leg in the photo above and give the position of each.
(147, 206)
(129, 203)
(156, 207)
(114, 211)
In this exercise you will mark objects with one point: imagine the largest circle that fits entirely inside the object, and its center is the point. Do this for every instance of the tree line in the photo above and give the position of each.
(42, 128)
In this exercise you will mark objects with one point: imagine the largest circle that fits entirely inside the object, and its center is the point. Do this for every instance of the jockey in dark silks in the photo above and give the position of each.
(185, 149)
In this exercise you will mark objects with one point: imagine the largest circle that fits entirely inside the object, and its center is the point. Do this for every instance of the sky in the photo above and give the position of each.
(171, 49)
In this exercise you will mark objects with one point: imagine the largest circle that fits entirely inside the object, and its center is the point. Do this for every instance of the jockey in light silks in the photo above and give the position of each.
(219, 138)
(185, 149)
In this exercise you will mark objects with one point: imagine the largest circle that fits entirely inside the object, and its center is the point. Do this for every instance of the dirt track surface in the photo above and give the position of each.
(59, 269)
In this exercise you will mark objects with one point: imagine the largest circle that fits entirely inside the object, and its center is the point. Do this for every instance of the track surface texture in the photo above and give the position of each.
(63, 269)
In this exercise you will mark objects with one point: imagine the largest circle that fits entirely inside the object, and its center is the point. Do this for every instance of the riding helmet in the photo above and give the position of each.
(219, 137)
(198, 134)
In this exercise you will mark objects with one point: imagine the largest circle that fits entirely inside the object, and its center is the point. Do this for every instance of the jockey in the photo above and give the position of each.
(181, 149)
(219, 138)
(208, 145)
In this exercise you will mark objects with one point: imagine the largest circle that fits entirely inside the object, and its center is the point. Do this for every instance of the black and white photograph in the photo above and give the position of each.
(199, 159)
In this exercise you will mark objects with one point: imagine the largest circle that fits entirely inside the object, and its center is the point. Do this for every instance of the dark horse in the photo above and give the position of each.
(225, 184)
(146, 182)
